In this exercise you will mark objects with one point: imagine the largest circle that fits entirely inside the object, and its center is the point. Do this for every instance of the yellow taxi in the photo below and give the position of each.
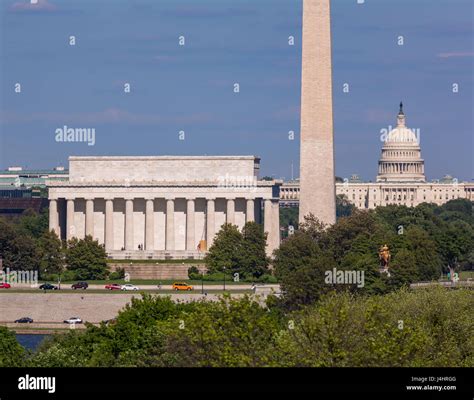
(182, 286)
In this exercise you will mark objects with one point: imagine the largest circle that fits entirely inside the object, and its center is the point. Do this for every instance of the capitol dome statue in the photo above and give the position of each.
(401, 155)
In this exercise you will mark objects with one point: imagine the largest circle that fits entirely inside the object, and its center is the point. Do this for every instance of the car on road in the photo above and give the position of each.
(113, 286)
(182, 286)
(48, 286)
(24, 320)
(80, 285)
(129, 286)
(5, 285)
(73, 320)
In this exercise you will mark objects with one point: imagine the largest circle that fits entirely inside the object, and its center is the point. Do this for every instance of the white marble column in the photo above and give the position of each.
(250, 212)
(70, 227)
(109, 225)
(210, 222)
(54, 217)
(267, 216)
(89, 217)
(149, 225)
(230, 216)
(190, 225)
(129, 225)
(272, 224)
(170, 224)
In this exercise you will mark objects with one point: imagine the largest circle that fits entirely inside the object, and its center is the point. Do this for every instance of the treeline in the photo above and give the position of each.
(429, 328)
(424, 242)
(27, 244)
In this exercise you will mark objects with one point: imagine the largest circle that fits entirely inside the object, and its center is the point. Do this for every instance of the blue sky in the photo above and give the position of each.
(190, 88)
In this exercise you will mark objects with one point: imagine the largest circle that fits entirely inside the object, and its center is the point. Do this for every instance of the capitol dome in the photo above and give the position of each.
(401, 155)
(401, 134)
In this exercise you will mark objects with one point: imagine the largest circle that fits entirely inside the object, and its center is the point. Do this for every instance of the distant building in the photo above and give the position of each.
(17, 177)
(13, 192)
(400, 180)
(13, 202)
(22, 189)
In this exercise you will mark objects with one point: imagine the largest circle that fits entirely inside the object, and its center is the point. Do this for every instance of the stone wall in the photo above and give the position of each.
(157, 271)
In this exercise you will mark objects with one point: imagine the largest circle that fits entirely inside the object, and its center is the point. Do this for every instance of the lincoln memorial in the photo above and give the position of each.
(164, 207)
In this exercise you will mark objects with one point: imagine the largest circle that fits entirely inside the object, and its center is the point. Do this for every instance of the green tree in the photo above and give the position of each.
(17, 250)
(344, 208)
(403, 269)
(450, 226)
(300, 265)
(228, 333)
(254, 258)
(156, 332)
(341, 236)
(87, 258)
(456, 210)
(12, 354)
(226, 250)
(7, 237)
(429, 328)
(417, 328)
(33, 224)
(51, 254)
(428, 262)
(288, 216)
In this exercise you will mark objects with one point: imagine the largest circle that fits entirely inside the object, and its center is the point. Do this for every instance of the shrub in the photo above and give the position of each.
(12, 354)
(118, 274)
(193, 271)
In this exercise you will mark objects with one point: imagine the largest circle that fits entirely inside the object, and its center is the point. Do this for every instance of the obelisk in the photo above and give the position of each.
(317, 182)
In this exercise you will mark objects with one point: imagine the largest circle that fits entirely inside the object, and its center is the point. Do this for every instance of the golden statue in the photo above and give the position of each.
(384, 256)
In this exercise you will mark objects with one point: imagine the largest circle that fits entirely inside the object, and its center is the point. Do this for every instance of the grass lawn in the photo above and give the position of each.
(464, 275)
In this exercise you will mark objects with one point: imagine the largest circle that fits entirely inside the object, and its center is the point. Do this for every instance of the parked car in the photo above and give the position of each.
(5, 285)
(182, 286)
(129, 286)
(80, 285)
(24, 320)
(48, 286)
(73, 320)
(113, 286)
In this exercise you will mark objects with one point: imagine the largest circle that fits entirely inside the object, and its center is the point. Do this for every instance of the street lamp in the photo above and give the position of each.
(202, 283)
(224, 279)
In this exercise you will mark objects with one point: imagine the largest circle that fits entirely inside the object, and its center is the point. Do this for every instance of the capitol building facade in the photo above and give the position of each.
(400, 180)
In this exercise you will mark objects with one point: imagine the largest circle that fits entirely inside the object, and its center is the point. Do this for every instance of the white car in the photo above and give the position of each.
(129, 286)
(73, 320)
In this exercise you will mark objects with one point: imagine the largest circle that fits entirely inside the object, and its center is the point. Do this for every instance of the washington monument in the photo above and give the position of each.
(317, 182)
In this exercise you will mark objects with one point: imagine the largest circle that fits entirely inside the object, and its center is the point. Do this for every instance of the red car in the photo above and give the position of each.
(5, 286)
(113, 286)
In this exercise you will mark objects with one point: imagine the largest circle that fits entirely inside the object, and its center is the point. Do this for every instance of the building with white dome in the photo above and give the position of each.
(400, 180)
(401, 155)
